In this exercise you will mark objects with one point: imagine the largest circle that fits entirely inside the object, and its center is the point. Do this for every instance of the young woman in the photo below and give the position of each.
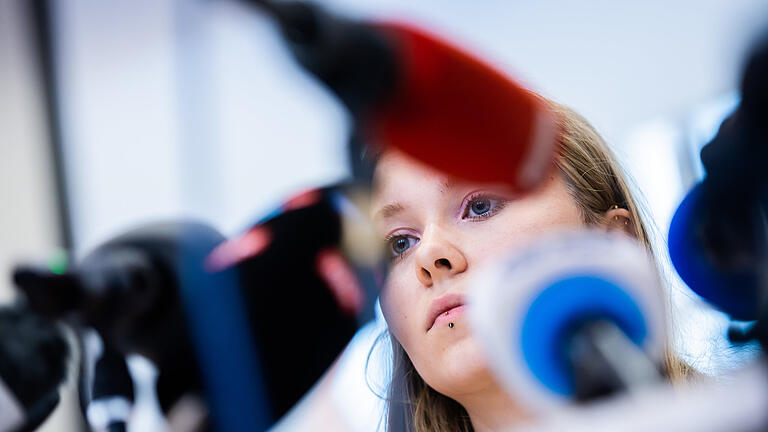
(438, 231)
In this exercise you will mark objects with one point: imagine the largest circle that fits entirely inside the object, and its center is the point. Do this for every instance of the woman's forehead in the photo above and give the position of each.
(397, 174)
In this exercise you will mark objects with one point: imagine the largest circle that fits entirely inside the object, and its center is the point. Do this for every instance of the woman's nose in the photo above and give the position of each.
(438, 259)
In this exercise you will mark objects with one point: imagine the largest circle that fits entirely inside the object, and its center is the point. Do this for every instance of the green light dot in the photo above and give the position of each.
(58, 262)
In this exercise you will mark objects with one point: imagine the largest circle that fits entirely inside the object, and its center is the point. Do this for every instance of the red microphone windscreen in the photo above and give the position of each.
(458, 114)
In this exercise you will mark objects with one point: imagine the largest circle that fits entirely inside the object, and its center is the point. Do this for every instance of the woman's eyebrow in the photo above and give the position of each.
(446, 185)
(389, 210)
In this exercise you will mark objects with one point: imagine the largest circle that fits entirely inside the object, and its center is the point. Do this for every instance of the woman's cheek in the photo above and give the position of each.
(394, 305)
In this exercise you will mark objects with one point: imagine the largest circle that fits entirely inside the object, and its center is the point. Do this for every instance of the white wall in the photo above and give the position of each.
(28, 217)
(28, 220)
(181, 108)
(118, 114)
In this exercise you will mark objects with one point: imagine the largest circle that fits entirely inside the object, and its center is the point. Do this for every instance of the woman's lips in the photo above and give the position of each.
(449, 315)
(452, 304)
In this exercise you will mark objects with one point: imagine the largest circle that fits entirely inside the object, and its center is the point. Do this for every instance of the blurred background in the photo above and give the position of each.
(117, 113)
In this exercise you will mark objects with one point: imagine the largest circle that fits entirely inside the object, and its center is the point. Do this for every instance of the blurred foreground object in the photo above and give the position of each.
(734, 404)
(718, 238)
(413, 91)
(576, 316)
(258, 318)
(33, 366)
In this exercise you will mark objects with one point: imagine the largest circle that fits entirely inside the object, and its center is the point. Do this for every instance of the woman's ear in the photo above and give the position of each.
(619, 219)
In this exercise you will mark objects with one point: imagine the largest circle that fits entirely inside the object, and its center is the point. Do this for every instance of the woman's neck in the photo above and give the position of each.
(493, 410)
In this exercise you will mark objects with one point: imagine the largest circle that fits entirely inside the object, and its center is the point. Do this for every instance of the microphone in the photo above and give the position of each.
(138, 292)
(305, 293)
(127, 288)
(718, 241)
(413, 91)
(574, 317)
(33, 366)
(719, 251)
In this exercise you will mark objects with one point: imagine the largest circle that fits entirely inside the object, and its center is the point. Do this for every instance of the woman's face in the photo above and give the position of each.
(438, 232)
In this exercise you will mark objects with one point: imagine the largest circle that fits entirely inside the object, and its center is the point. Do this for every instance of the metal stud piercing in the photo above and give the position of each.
(450, 325)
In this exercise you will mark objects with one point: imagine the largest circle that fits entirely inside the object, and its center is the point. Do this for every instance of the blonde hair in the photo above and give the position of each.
(597, 183)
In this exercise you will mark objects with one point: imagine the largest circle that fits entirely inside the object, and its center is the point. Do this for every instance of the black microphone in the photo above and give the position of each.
(718, 241)
(33, 366)
(126, 289)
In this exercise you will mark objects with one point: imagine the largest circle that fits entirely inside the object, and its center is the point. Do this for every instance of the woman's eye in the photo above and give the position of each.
(482, 207)
(398, 245)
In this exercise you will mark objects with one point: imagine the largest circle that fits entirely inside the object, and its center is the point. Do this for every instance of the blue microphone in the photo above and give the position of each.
(718, 240)
(573, 317)
(716, 251)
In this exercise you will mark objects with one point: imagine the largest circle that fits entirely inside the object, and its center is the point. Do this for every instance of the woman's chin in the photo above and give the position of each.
(459, 369)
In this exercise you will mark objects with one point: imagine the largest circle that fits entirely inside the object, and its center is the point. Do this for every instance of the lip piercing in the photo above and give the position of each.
(450, 325)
